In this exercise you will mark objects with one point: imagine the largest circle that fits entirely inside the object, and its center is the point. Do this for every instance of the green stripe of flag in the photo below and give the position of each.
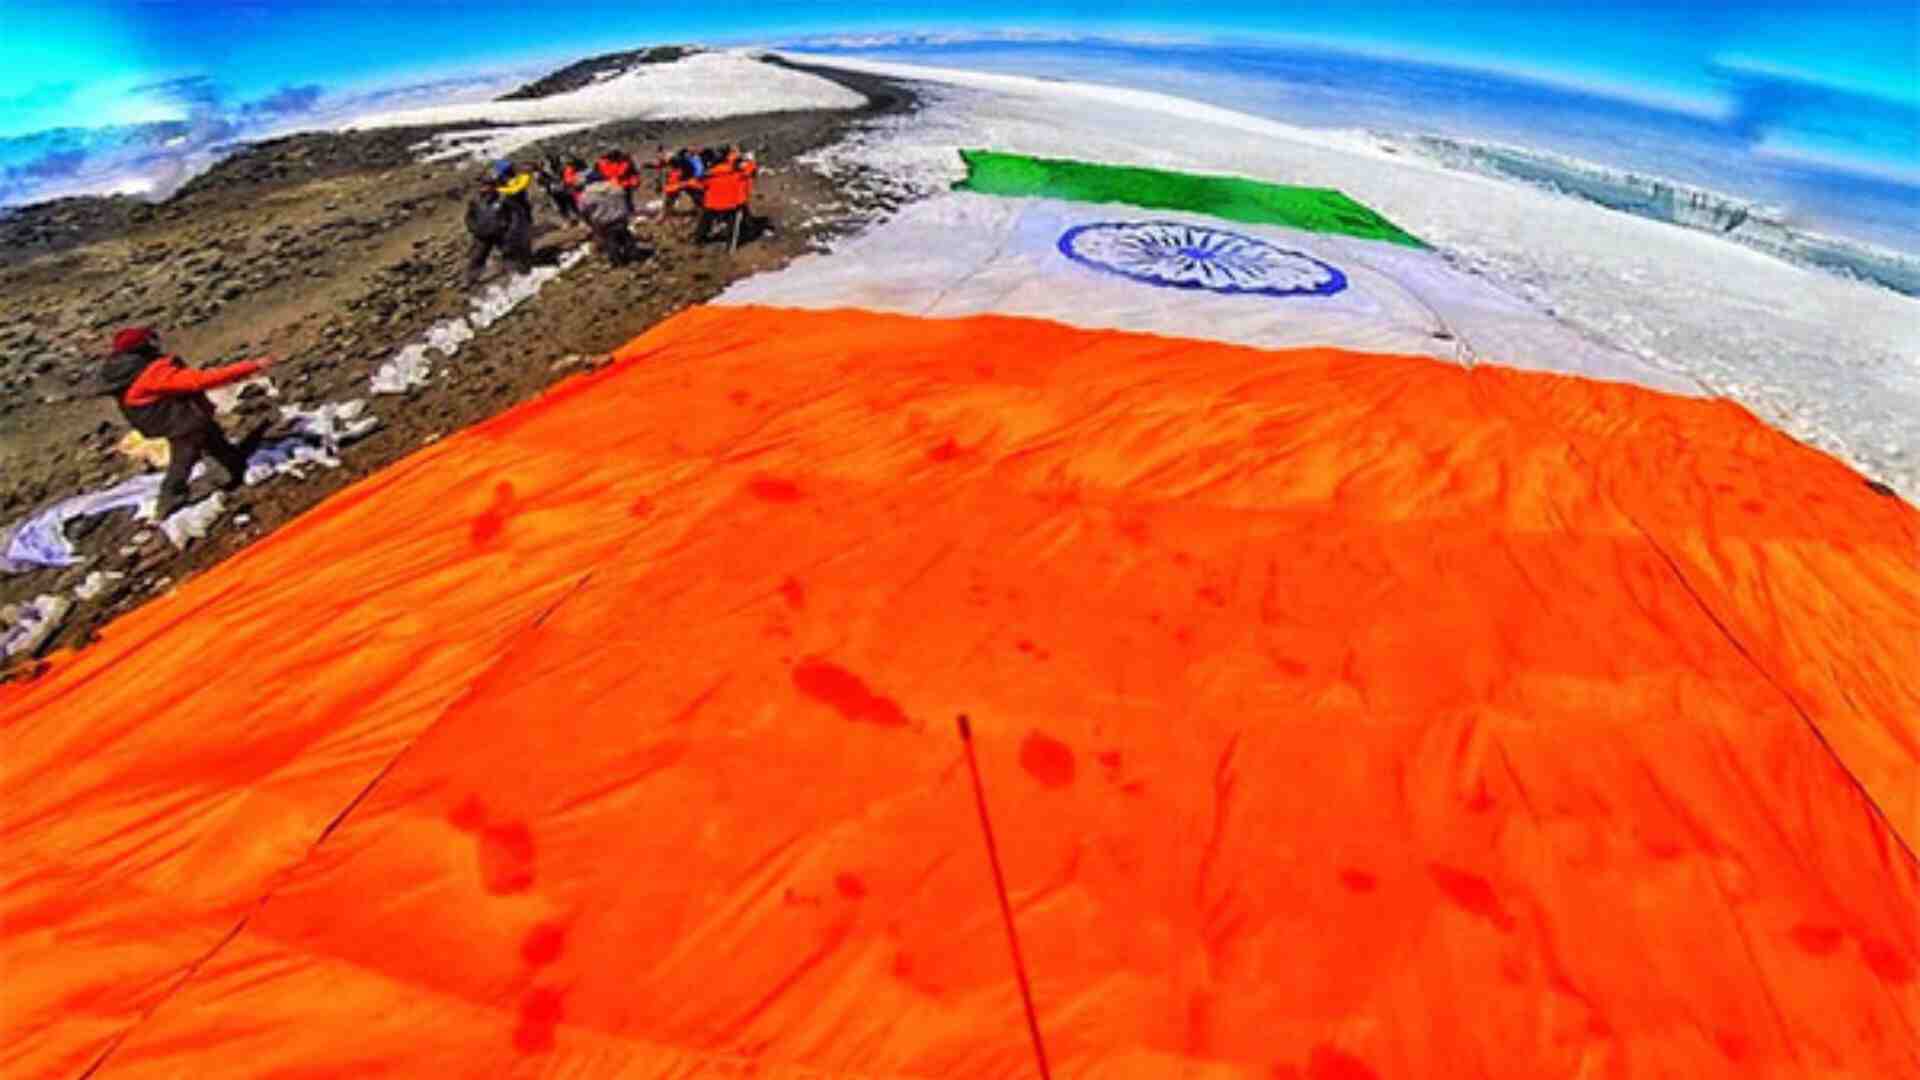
(1325, 210)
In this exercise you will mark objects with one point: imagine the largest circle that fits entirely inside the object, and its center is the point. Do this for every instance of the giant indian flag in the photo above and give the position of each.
(1368, 678)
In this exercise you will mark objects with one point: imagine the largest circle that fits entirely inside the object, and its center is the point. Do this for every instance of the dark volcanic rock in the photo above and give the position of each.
(60, 224)
(63, 224)
(310, 156)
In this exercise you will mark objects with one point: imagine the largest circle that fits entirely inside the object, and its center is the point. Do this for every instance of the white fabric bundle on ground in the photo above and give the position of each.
(195, 520)
(449, 337)
(41, 540)
(408, 370)
(96, 583)
(411, 367)
(318, 433)
(225, 398)
(29, 624)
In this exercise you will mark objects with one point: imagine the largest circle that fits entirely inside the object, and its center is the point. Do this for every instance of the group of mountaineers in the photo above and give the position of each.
(163, 398)
(718, 182)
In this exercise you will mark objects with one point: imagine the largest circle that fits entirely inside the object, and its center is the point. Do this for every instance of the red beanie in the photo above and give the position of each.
(132, 338)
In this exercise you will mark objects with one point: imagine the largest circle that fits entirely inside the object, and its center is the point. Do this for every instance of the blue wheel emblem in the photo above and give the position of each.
(1174, 255)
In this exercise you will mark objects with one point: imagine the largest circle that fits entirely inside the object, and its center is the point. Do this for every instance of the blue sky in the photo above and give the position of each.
(1833, 81)
(254, 47)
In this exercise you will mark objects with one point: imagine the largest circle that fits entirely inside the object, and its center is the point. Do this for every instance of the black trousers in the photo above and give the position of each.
(477, 258)
(185, 451)
(704, 227)
(617, 243)
(516, 247)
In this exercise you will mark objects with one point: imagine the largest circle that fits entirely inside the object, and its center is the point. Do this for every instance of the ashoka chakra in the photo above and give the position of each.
(1174, 255)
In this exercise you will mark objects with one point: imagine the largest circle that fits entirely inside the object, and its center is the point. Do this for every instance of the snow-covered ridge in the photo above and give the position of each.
(1657, 198)
(912, 39)
(700, 86)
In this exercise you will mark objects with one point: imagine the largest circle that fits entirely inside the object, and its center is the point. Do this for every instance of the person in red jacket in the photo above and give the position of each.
(165, 399)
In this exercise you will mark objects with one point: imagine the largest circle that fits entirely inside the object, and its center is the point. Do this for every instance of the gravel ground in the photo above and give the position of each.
(334, 251)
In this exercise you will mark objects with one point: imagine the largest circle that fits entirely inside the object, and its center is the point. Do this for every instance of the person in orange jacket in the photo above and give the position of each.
(165, 399)
(724, 193)
(680, 180)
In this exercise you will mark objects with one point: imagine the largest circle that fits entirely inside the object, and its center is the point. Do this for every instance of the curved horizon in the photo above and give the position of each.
(142, 98)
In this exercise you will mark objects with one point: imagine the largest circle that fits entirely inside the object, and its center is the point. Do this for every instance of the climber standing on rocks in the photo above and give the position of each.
(603, 205)
(163, 398)
(678, 180)
(618, 169)
(553, 181)
(500, 215)
(724, 194)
